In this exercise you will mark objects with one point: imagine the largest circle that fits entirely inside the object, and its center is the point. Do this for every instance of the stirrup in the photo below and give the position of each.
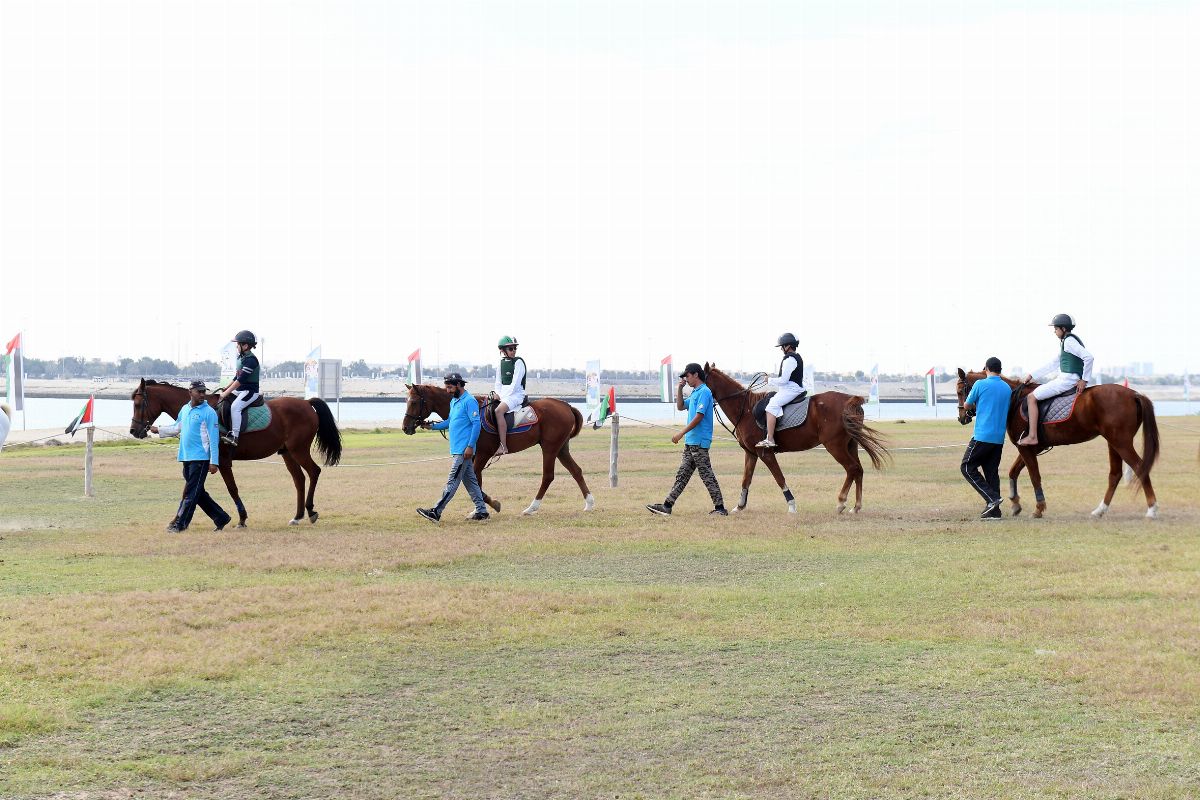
(766, 443)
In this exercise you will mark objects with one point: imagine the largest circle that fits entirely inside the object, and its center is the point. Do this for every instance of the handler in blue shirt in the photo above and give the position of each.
(988, 402)
(697, 439)
(199, 452)
(463, 423)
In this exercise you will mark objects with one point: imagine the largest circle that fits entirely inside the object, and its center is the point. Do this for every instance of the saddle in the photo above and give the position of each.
(516, 421)
(794, 413)
(258, 415)
(1051, 411)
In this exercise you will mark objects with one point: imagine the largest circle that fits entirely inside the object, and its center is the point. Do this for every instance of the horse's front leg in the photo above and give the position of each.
(772, 463)
(231, 486)
(547, 478)
(747, 476)
(1014, 472)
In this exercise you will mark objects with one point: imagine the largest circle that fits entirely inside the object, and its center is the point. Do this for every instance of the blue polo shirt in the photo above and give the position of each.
(463, 423)
(700, 403)
(991, 397)
(196, 427)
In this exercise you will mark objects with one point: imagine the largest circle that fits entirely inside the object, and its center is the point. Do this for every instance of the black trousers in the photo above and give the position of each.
(194, 473)
(981, 468)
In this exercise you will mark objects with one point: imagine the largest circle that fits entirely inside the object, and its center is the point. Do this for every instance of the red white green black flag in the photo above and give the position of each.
(15, 368)
(666, 380)
(930, 389)
(84, 418)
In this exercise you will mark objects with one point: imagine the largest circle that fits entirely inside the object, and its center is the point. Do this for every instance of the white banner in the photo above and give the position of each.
(228, 361)
(312, 372)
(592, 392)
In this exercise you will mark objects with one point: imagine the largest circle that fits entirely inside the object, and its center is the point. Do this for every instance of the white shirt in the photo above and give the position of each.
(1072, 346)
(785, 381)
(5, 426)
(514, 389)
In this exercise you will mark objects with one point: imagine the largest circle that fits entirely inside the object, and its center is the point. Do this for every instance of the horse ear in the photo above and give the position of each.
(408, 386)
(962, 376)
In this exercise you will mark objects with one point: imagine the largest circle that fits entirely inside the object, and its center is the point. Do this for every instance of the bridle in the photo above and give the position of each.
(421, 414)
(143, 423)
(745, 392)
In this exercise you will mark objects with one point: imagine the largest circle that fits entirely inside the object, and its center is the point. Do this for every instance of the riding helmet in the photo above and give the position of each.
(506, 341)
(245, 337)
(1063, 321)
(786, 339)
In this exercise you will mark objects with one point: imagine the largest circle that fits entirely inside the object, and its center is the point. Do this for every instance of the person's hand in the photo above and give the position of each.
(424, 424)
(1080, 385)
(1028, 379)
(675, 439)
(212, 469)
(469, 452)
(154, 429)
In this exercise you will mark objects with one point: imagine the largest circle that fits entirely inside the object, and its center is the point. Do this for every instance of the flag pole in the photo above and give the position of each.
(88, 491)
(612, 450)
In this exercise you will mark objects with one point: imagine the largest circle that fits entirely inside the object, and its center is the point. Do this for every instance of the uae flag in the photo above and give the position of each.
(930, 389)
(414, 367)
(84, 418)
(666, 380)
(607, 407)
(14, 364)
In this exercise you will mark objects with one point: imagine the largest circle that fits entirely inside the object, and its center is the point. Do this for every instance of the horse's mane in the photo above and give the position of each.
(754, 396)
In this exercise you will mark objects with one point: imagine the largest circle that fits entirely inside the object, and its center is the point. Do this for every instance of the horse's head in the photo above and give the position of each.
(963, 388)
(418, 407)
(147, 405)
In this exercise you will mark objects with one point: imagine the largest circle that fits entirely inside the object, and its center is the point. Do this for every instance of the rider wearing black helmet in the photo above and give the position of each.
(788, 384)
(1074, 367)
(244, 386)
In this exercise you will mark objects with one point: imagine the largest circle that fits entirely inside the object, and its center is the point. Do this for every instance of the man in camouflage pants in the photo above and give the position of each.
(697, 439)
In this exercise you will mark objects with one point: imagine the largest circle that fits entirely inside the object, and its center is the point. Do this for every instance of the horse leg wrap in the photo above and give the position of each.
(1012, 488)
(1038, 494)
(787, 495)
(745, 498)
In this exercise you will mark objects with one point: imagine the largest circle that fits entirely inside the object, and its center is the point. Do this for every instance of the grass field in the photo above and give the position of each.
(911, 651)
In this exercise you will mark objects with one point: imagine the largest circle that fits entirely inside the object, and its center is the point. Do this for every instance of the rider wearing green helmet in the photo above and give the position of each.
(509, 386)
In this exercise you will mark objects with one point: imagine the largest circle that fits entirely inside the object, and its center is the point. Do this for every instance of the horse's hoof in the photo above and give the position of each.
(293, 522)
(841, 507)
(791, 508)
(1152, 512)
(529, 512)
(856, 509)
(239, 525)
(312, 518)
(589, 503)
(1099, 511)
(736, 509)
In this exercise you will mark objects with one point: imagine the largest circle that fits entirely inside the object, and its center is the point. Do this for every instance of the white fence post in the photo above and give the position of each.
(612, 450)
(88, 491)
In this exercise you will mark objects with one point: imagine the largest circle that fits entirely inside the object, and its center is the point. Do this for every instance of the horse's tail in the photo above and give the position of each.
(865, 436)
(1150, 446)
(329, 438)
(578, 422)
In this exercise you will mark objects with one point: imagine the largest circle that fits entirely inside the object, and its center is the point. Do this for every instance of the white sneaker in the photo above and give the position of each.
(766, 443)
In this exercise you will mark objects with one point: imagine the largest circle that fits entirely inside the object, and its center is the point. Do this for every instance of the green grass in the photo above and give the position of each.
(910, 651)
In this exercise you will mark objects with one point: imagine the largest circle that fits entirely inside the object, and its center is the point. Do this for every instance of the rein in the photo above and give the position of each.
(758, 380)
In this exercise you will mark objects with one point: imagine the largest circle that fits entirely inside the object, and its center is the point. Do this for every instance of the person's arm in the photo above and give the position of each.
(497, 386)
(170, 429)
(212, 440)
(518, 375)
(779, 381)
(1076, 349)
(679, 404)
(440, 425)
(476, 425)
(1042, 371)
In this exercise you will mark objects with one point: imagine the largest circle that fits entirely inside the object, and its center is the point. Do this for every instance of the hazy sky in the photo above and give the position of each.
(903, 182)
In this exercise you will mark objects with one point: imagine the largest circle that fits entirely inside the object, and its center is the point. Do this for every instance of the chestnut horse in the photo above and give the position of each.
(557, 424)
(835, 420)
(294, 425)
(1112, 411)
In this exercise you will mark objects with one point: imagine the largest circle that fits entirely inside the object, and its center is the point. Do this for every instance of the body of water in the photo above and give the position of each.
(53, 412)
